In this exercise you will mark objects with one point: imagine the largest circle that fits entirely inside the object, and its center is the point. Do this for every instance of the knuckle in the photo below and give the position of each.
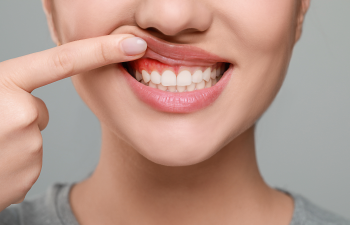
(32, 178)
(22, 192)
(6, 82)
(28, 182)
(40, 101)
(19, 200)
(31, 175)
(62, 61)
(25, 115)
(104, 53)
(35, 146)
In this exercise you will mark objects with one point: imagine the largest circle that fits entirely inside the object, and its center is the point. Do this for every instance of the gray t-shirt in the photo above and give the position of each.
(53, 208)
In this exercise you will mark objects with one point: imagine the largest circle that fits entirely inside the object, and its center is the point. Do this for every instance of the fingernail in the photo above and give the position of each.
(133, 46)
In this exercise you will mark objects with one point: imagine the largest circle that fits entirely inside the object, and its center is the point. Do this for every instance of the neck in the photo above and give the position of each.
(127, 188)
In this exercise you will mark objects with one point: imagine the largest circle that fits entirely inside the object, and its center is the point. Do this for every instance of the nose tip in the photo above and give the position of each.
(173, 16)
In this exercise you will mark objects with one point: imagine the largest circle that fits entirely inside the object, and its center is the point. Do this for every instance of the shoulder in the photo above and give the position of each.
(307, 213)
(41, 210)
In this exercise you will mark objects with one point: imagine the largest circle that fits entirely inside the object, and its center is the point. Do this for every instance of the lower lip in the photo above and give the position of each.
(175, 102)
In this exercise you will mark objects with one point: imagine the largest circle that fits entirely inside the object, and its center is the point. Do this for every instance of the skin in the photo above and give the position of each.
(145, 174)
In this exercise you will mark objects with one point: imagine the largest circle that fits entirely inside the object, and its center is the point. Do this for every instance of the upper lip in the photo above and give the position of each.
(177, 54)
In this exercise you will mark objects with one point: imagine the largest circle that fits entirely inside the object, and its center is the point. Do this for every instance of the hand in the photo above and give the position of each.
(23, 116)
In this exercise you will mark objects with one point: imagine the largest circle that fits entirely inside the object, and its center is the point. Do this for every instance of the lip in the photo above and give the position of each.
(177, 54)
(175, 102)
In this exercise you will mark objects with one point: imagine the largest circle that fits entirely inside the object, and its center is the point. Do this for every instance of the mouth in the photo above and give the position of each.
(176, 78)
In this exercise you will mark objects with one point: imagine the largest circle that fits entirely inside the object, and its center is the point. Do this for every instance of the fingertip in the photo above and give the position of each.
(133, 46)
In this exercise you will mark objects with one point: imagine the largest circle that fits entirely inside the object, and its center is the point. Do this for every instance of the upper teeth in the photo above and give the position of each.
(185, 80)
(168, 78)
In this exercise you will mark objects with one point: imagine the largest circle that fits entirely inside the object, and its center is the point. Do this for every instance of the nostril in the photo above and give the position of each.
(153, 30)
(171, 18)
(171, 38)
(157, 33)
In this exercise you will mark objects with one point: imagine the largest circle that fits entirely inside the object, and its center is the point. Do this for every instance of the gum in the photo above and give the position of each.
(153, 65)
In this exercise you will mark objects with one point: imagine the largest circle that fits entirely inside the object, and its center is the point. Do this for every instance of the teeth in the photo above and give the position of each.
(168, 78)
(172, 88)
(191, 87)
(180, 88)
(138, 76)
(206, 74)
(208, 84)
(145, 75)
(184, 78)
(197, 77)
(184, 81)
(151, 84)
(200, 85)
(161, 87)
(213, 74)
(155, 77)
(221, 70)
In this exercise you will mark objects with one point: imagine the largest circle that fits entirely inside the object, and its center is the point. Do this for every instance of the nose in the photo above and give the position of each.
(173, 16)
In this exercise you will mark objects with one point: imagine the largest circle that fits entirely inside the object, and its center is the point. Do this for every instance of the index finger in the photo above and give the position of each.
(38, 69)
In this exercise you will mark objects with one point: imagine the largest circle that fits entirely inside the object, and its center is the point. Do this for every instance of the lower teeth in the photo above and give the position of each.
(192, 87)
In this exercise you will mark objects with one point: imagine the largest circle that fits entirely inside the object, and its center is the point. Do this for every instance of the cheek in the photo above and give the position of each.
(261, 25)
(81, 19)
(259, 37)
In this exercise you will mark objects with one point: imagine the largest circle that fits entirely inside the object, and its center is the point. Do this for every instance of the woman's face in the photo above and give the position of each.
(254, 38)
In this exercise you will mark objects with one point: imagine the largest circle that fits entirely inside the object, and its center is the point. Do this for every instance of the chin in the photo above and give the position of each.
(178, 153)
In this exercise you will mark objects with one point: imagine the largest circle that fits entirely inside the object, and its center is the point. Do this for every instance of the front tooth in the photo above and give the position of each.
(200, 85)
(213, 74)
(151, 84)
(138, 76)
(191, 87)
(213, 81)
(168, 78)
(161, 87)
(206, 74)
(197, 77)
(180, 88)
(155, 77)
(145, 75)
(208, 84)
(184, 78)
(172, 88)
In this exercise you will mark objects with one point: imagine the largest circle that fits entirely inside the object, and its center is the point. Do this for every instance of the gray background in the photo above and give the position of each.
(303, 140)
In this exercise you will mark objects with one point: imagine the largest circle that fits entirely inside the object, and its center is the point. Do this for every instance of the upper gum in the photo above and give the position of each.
(175, 69)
